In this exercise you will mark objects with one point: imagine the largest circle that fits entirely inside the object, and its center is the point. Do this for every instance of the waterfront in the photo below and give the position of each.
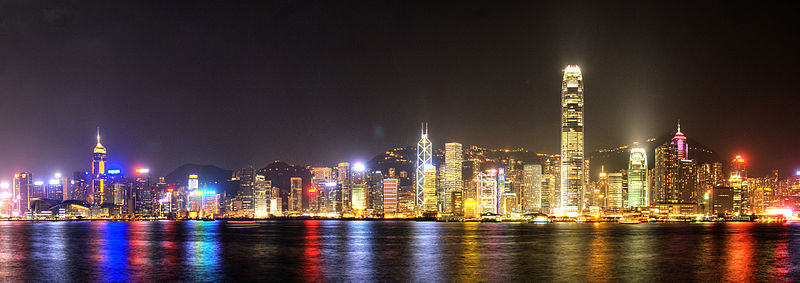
(397, 251)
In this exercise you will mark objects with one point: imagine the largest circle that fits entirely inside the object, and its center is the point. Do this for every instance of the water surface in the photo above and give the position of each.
(397, 251)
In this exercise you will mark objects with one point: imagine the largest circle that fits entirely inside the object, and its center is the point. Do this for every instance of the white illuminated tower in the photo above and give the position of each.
(638, 186)
(424, 155)
(572, 162)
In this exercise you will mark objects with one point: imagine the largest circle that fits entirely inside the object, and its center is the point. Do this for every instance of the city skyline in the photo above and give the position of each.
(191, 99)
(399, 141)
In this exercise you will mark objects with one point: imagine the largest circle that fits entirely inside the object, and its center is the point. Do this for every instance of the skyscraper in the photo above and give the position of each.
(453, 157)
(341, 192)
(487, 192)
(572, 163)
(244, 195)
(261, 190)
(638, 187)
(98, 174)
(296, 198)
(358, 187)
(614, 193)
(390, 196)
(674, 173)
(429, 190)
(424, 159)
(23, 181)
(532, 187)
(737, 182)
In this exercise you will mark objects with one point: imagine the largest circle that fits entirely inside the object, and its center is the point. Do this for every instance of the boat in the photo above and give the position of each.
(541, 219)
(629, 221)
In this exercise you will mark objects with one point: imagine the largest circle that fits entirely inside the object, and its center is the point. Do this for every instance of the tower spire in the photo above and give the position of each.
(679, 125)
(98, 134)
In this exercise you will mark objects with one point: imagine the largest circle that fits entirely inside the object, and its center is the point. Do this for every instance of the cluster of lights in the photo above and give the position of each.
(203, 193)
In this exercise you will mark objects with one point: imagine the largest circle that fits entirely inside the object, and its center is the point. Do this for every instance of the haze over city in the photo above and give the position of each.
(234, 84)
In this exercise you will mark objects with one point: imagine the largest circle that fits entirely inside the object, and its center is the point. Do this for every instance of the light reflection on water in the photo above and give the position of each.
(397, 251)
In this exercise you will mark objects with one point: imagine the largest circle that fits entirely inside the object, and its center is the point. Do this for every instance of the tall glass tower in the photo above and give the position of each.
(572, 163)
(424, 158)
(637, 178)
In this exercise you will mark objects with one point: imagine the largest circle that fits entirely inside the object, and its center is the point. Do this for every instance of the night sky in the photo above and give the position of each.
(233, 83)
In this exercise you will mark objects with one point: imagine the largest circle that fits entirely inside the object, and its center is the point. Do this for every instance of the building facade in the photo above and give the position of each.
(638, 187)
(572, 128)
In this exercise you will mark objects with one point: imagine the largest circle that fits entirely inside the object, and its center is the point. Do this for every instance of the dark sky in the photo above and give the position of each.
(232, 83)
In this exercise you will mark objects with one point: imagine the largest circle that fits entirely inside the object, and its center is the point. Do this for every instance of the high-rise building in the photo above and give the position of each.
(737, 182)
(390, 196)
(244, 196)
(487, 192)
(296, 199)
(457, 202)
(638, 187)
(453, 158)
(424, 160)
(572, 162)
(358, 187)
(321, 178)
(275, 202)
(194, 182)
(614, 194)
(374, 193)
(602, 189)
(98, 174)
(722, 200)
(532, 187)
(342, 192)
(429, 190)
(143, 195)
(261, 190)
(23, 181)
(674, 175)
(501, 188)
(79, 186)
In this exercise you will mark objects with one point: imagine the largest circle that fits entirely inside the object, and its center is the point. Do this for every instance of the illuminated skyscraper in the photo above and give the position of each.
(429, 190)
(296, 198)
(390, 196)
(572, 163)
(737, 182)
(98, 174)
(532, 187)
(194, 182)
(501, 187)
(453, 157)
(487, 192)
(243, 200)
(23, 181)
(341, 195)
(424, 159)
(674, 175)
(261, 190)
(614, 193)
(602, 188)
(638, 187)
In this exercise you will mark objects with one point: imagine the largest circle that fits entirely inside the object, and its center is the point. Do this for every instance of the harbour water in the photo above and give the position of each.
(330, 250)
